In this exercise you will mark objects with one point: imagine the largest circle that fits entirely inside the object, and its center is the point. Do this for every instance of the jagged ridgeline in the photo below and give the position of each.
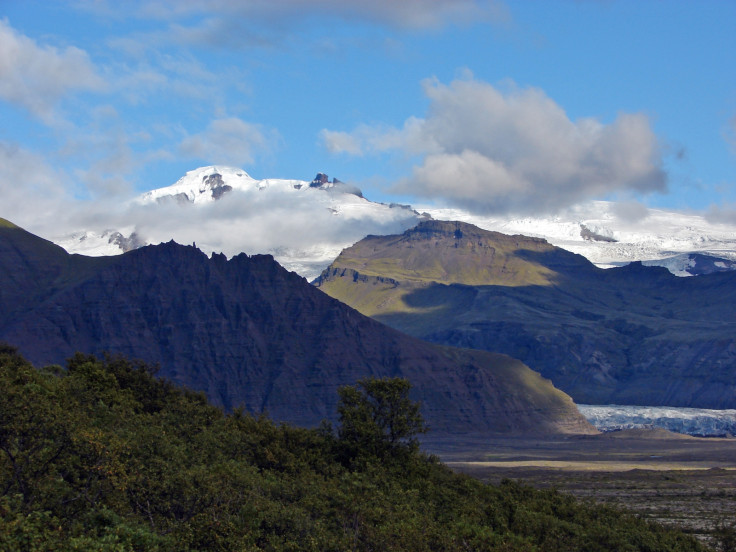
(630, 335)
(101, 456)
(248, 333)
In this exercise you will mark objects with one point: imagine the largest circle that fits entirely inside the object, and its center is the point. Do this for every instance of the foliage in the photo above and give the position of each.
(103, 456)
(377, 417)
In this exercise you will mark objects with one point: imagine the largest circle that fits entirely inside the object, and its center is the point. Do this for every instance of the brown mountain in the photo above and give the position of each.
(630, 335)
(249, 333)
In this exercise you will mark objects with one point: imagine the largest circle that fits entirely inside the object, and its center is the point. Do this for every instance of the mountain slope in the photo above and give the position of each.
(630, 335)
(247, 332)
(31, 269)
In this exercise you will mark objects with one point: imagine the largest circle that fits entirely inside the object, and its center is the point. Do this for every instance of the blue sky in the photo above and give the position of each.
(526, 107)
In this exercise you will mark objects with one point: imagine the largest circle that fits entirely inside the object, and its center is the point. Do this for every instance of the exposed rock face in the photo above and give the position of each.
(249, 333)
(632, 335)
(587, 234)
(323, 181)
(320, 180)
(215, 185)
(179, 199)
(130, 243)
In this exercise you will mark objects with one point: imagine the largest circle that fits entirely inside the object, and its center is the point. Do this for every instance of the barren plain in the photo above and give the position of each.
(674, 479)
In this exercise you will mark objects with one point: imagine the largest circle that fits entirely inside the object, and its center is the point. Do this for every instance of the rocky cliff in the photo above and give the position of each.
(251, 334)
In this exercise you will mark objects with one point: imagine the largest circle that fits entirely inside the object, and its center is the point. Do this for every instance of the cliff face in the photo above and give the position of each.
(632, 335)
(251, 334)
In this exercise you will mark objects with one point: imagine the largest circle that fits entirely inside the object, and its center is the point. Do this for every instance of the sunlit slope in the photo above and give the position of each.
(392, 274)
(449, 253)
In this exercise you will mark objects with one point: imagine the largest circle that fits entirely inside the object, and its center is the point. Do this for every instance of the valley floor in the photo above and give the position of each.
(677, 480)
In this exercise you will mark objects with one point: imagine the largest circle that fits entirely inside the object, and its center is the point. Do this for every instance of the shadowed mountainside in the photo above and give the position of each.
(630, 335)
(247, 332)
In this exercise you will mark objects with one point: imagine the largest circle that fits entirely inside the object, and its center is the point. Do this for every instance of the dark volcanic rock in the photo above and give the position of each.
(216, 185)
(319, 181)
(249, 333)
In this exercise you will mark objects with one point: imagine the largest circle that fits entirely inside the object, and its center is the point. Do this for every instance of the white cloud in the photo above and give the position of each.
(32, 192)
(630, 211)
(38, 77)
(228, 24)
(367, 139)
(341, 142)
(264, 222)
(308, 227)
(722, 214)
(229, 141)
(514, 150)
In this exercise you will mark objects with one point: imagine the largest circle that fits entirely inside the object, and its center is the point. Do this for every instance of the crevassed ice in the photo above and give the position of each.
(690, 421)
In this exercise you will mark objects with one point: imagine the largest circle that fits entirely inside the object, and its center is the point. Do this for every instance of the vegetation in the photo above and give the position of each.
(102, 456)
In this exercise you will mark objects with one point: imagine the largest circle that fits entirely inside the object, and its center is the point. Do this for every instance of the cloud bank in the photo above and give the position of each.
(514, 150)
(229, 141)
(37, 77)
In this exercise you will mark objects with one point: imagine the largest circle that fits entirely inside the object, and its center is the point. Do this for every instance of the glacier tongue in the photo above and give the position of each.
(690, 421)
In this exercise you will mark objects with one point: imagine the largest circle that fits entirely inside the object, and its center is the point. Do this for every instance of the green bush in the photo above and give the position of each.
(103, 456)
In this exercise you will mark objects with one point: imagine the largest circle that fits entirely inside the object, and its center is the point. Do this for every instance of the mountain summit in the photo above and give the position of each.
(631, 335)
(249, 333)
(303, 224)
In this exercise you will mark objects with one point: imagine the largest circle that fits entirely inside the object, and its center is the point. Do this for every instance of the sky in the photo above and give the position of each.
(523, 107)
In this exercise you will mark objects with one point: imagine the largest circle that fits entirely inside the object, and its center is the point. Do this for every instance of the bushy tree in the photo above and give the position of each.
(378, 418)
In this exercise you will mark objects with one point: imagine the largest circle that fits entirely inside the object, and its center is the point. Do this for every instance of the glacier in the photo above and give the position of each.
(690, 421)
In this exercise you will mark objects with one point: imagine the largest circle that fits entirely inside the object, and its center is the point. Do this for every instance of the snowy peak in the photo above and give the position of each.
(208, 184)
(303, 224)
(321, 181)
(201, 185)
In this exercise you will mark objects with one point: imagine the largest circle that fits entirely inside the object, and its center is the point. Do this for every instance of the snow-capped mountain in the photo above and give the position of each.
(684, 243)
(303, 224)
(208, 184)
